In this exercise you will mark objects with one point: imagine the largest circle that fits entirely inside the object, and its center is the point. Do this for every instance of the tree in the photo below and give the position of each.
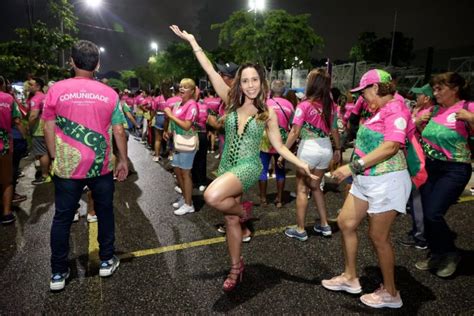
(37, 48)
(273, 38)
(370, 48)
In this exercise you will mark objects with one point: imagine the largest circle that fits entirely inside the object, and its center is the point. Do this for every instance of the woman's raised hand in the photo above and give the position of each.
(183, 34)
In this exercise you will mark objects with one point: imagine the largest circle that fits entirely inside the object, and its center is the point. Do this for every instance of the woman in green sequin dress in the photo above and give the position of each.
(246, 118)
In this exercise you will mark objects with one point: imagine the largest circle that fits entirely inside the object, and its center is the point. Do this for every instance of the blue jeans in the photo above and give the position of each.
(265, 159)
(446, 182)
(67, 195)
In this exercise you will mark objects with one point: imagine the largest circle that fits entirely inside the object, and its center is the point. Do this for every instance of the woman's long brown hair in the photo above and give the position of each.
(318, 88)
(237, 97)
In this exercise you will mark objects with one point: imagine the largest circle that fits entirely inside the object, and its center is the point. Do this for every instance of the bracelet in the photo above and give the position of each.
(197, 50)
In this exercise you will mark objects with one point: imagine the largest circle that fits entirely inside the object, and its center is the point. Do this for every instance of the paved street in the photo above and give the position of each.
(176, 264)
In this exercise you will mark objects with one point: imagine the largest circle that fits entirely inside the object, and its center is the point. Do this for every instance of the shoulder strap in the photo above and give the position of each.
(284, 113)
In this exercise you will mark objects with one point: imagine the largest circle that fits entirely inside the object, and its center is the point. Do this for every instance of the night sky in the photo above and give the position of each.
(442, 24)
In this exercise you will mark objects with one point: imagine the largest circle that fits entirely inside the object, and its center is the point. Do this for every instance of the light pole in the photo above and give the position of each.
(154, 46)
(255, 6)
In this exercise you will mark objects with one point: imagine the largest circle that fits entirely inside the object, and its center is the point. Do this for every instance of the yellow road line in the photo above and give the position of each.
(466, 199)
(94, 246)
(204, 242)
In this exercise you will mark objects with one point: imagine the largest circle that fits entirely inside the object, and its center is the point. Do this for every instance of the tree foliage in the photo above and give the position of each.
(273, 38)
(37, 52)
(371, 48)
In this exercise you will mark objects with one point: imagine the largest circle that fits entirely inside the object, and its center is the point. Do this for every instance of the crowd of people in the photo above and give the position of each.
(79, 128)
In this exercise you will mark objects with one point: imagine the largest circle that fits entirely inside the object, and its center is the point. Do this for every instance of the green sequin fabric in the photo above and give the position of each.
(241, 152)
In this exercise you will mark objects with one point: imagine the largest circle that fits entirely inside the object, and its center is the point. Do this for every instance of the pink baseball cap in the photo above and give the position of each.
(373, 76)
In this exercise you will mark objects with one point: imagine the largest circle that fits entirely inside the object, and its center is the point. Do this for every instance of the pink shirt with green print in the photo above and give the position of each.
(309, 116)
(8, 112)
(84, 111)
(444, 137)
(391, 123)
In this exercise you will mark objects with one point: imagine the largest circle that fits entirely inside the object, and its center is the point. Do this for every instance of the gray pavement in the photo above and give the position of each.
(175, 265)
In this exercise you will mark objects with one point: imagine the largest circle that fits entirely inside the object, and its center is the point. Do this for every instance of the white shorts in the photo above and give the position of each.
(384, 193)
(317, 152)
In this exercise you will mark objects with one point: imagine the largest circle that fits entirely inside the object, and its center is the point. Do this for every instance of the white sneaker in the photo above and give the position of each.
(91, 218)
(76, 217)
(184, 209)
(217, 156)
(293, 195)
(156, 159)
(202, 188)
(178, 190)
(179, 203)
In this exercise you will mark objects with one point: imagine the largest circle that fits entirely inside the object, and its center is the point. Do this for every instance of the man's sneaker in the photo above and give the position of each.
(472, 190)
(76, 217)
(202, 188)
(58, 281)
(428, 264)
(325, 230)
(108, 267)
(179, 203)
(184, 209)
(17, 198)
(178, 190)
(293, 233)
(381, 298)
(341, 283)
(448, 266)
(157, 159)
(412, 242)
(41, 180)
(91, 218)
(7, 219)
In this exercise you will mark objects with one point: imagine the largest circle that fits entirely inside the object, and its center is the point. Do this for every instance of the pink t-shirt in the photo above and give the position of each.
(279, 105)
(391, 123)
(186, 112)
(445, 137)
(8, 112)
(308, 115)
(36, 104)
(213, 104)
(202, 116)
(159, 104)
(171, 101)
(84, 111)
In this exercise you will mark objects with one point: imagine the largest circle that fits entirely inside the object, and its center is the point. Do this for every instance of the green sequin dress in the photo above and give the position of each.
(241, 155)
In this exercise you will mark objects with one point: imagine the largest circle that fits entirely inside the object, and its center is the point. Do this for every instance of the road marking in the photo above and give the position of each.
(466, 199)
(94, 246)
(199, 243)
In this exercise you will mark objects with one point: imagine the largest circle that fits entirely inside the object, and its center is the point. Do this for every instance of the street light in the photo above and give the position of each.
(102, 49)
(94, 3)
(256, 5)
(154, 46)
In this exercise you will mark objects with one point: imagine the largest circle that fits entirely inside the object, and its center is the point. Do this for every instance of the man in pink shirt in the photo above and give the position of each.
(80, 116)
(36, 125)
(9, 115)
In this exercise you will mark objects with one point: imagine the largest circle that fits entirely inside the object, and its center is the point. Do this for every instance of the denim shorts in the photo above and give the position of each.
(183, 160)
(160, 121)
